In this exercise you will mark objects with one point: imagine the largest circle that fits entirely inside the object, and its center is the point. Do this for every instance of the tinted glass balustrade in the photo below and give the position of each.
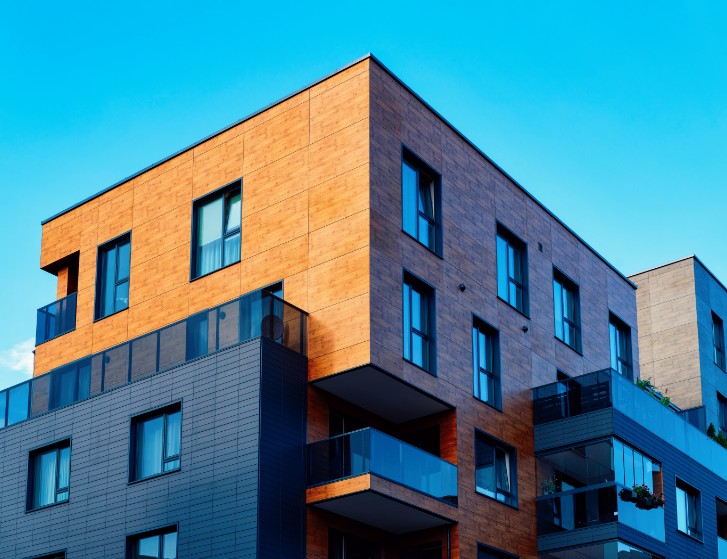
(56, 319)
(592, 506)
(255, 315)
(369, 451)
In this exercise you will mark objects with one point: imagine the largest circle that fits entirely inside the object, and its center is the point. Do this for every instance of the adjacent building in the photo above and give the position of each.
(336, 329)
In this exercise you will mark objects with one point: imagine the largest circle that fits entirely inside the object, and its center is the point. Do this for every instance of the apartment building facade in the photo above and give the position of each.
(316, 334)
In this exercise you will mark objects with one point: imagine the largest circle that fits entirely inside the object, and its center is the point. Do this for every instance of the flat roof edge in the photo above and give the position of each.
(330, 75)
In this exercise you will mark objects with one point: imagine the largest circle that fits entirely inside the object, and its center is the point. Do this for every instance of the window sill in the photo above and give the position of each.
(100, 318)
(433, 373)
(515, 507)
(578, 351)
(45, 507)
(481, 401)
(695, 538)
(155, 476)
(513, 307)
(195, 278)
(433, 251)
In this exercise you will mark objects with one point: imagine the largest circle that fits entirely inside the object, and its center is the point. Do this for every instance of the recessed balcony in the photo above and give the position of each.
(376, 479)
(56, 319)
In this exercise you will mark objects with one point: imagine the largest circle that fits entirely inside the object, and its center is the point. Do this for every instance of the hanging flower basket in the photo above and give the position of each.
(642, 497)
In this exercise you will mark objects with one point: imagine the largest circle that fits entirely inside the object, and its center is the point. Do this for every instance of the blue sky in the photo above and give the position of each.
(613, 114)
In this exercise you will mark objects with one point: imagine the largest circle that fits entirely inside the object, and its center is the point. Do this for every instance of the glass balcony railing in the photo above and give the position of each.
(608, 389)
(255, 315)
(371, 451)
(592, 506)
(721, 548)
(56, 319)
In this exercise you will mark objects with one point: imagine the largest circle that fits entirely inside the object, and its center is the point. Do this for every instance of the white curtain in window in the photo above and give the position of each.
(150, 447)
(44, 484)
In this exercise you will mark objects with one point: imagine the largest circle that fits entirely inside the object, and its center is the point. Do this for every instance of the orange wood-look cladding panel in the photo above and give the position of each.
(304, 164)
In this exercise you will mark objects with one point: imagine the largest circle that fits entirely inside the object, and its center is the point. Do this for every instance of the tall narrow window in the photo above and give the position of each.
(49, 475)
(217, 230)
(495, 467)
(421, 196)
(718, 341)
(159, 544)
(486, 363)
(418, 299)
(512, 285)
(567, 311)
(156, 441)
(112, 283)
(722, 405)
(688, 507)
(346, 546)
(620, 335)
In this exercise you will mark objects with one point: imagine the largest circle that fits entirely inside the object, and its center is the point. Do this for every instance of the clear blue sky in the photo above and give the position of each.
(613, 114)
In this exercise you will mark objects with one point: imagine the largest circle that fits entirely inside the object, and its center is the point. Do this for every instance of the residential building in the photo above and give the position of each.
(336, 329)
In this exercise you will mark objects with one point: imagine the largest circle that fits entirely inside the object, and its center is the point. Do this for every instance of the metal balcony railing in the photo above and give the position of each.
(255, 315)
(56, 319)
(371, 451)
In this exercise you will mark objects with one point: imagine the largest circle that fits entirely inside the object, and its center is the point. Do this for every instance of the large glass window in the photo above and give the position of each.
(49, 475)
(495, 469)
(689, 514)
(718, 341)
(486, 363)
(156, 442)
(418, 299)
(112, 276)
(217, 230)
(159, 544)
(567, 311)
(512, 285)
(346, 546)
(620, 335)
(420, 192)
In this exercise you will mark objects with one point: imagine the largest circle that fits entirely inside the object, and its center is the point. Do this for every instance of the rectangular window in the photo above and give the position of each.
(718, 341)
(49, 472)
(567, 309)
(722, 410)
(689, 514)
(112, 276)
(418, 299)
(158, 544)
(346, 546)
(216, 230)
(512, 270)
(486, 363)
(156, 441)
(495, 469)
(620, 335)
(421, 200)
(487, 552)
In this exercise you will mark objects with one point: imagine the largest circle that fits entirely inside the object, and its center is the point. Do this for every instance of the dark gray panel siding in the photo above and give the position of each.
(213, 498)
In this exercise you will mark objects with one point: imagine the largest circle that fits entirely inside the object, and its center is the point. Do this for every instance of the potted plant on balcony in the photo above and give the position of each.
(642, 497)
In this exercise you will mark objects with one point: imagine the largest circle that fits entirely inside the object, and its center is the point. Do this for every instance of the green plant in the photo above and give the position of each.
(642, 497)
(665, 401)
(644, 384)
(549, 486)
(647, 386)
(719, 437)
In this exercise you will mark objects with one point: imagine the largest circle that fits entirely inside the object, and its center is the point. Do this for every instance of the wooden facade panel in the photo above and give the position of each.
(338, 488)
(338, 280)
(115, 217)
(62, 350)
(110, 331)
(340, 197)
(275, 225)
(340, 360)
(165, 167)
(158, 196)
(85, 304)
(59, 242)
(278, 263)
(339, 238)
(159, 275)
(338, 326)
(89, 230)
(339, 107)
(217, 167)
(276, 138)
(274, 183)
(87, 268)
(340, 152)
(160, 311)
(276, 110)
(166, 232)
(215, 288)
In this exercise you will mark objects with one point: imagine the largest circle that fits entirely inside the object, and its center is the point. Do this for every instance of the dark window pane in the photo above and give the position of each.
(169, 549)
(124, 261)
(409, 198)
(233, 218)
(148, 548)
(18, 403)
(121, 299)
(149, 450)
(174, 434)
(44, 483)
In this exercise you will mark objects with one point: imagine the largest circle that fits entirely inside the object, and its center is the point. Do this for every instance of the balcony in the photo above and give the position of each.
(255, 315)
(606, 389)
(56, 319)
(364, 475)
(593, 506)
